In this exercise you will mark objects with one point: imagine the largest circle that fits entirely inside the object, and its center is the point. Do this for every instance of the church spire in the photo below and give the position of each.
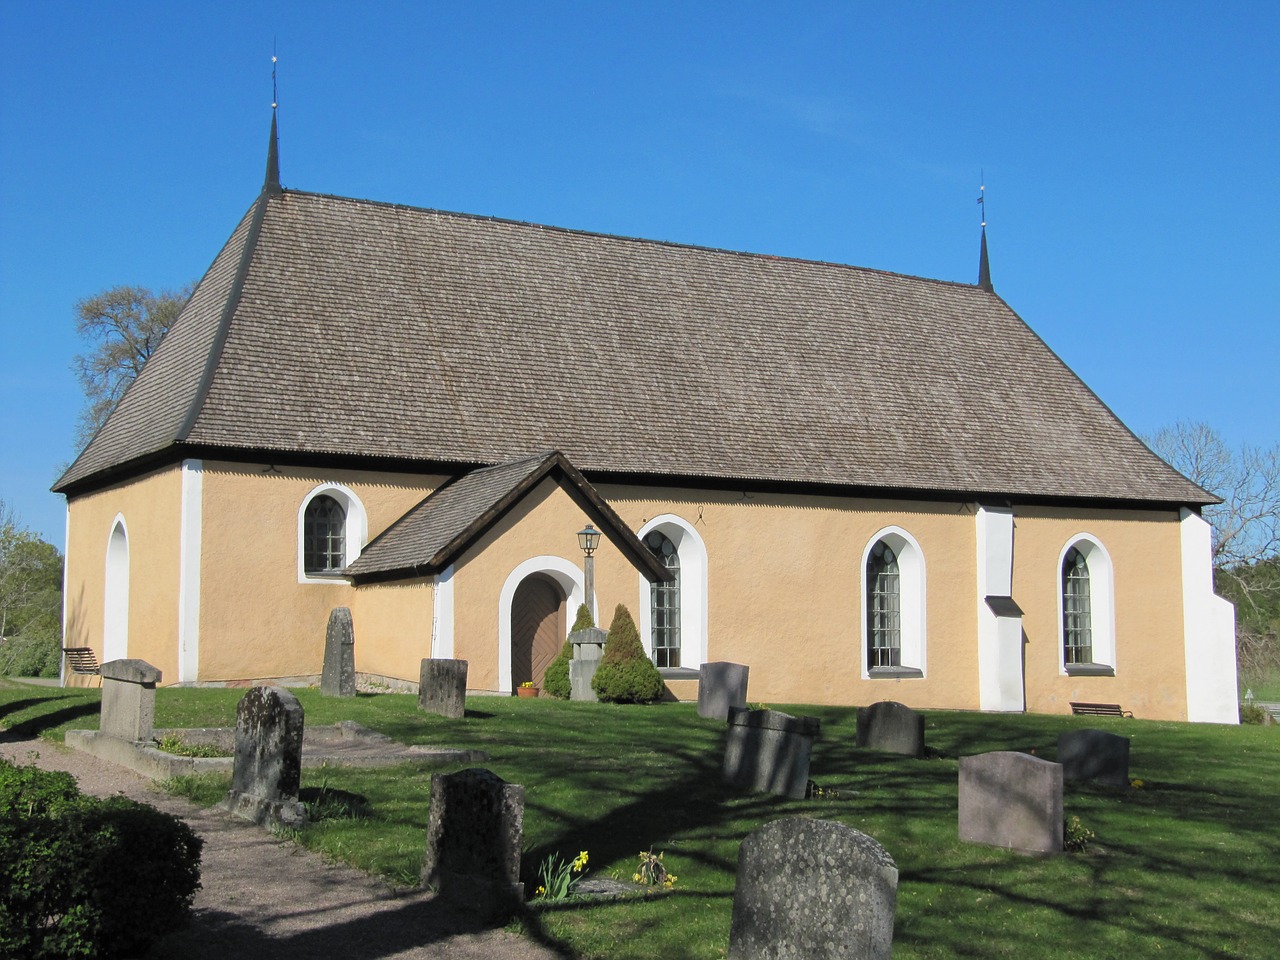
(272, 182)
(984, 266)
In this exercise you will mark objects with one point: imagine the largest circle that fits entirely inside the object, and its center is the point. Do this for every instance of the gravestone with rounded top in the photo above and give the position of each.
(768, 751)
(268, 758)
(1094, 755)
(722, 686)
(338, 678)
(813, 890)
(891, 727)
(128, 699)
(1011, 800)
(442, 687)
(475, 829)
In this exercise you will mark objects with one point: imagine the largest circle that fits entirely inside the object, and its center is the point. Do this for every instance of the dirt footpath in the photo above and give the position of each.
(268, 899)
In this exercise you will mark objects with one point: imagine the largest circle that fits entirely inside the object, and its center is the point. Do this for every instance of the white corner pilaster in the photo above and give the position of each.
(1209, 630)
(1000, 673)
(189, 540)
(442, 615)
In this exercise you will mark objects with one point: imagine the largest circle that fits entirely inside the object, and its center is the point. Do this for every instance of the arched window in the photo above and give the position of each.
(1077, 615)
(1086, 619)
(324, 548)
(884, 608)
(664, 603)
(332, 528)
(893, 608)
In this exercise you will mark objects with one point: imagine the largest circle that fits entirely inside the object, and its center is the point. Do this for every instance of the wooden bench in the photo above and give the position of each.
(1099, 710)
(82, 660)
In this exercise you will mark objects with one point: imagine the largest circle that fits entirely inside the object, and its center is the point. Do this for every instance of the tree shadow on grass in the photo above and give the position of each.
(35, 726)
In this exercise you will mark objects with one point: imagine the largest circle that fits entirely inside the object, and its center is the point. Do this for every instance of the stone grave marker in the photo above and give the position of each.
(721, 686)
(268, 758)
(1011, 800)
(891, 727)
(588, 648)
(442, 687)
(338, 679)
(813, 890)
(768, 751)
(1094, 755)
(474, 833)
(128, 699)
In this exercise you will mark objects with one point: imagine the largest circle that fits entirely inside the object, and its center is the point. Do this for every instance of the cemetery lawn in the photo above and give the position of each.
(1187, 865)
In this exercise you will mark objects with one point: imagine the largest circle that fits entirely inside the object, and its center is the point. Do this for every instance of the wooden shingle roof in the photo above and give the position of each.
(347, 328)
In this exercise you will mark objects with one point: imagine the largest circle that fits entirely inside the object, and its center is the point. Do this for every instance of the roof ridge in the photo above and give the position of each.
(675, 244)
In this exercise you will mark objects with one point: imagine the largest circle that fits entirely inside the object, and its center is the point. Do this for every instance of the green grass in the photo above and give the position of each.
(1187, 866)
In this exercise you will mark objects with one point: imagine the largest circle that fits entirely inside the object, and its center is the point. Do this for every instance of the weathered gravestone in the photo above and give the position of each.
(721, 686)
(1094, 755)
(767, 750)
(128, 699)
(474, 833)
(442, 687)
(588, 648)
(1011, 800)
(891, 727)
(268, 758)
(813, 890)
(338, 678)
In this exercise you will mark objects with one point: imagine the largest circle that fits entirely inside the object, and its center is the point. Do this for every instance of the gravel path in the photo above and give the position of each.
(270, 899)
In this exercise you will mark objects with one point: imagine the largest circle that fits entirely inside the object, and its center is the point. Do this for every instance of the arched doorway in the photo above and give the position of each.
(115, 614)
(537, 627)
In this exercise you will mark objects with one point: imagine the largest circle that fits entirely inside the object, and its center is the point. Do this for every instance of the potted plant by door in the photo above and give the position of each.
(527, 689)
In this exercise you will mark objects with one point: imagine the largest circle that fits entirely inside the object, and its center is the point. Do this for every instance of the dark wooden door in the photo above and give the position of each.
(537, 628)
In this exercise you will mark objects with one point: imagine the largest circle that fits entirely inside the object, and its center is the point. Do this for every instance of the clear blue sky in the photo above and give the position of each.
(1131, 151)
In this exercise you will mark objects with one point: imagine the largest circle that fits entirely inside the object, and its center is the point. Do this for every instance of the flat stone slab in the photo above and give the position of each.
(346, 743)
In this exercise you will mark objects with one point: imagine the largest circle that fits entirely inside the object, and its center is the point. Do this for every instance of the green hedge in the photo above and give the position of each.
(626, 674)
(86, 877)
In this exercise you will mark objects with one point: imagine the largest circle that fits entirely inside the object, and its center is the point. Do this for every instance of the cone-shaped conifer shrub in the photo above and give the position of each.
(626, 674)
(556, 680)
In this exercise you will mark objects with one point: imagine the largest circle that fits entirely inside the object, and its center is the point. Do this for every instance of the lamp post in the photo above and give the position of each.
(588, 540)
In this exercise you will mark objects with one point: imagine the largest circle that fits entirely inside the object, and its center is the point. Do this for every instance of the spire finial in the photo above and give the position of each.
(272, 182)
(984, 266)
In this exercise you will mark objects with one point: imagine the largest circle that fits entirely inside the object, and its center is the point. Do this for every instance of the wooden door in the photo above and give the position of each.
(537, 628)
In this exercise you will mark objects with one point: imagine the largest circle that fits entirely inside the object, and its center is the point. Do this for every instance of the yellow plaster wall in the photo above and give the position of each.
(150, 506)
(1145, 551)
(256, 618)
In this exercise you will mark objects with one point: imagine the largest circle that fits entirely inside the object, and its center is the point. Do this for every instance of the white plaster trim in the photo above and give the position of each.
(189, 543)
(1001, 680)
(1102, 602)
(66, 568)
(442, 617)
(692, 551)
(911, 581)
(115, 612)
(1209, 630)
(570, 578)
(357, 530)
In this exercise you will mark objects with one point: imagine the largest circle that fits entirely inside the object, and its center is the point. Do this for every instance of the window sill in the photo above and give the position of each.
(335, 577)
(896, 673)
(678, 673)
(1089, 670)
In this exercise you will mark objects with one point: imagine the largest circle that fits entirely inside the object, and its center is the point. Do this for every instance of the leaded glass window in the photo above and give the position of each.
(1077, 612)
(664, 606)
(324, 548)
(884, 607)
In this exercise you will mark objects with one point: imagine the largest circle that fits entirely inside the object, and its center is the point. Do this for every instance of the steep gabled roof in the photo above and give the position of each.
(337, 327)
(439, 529)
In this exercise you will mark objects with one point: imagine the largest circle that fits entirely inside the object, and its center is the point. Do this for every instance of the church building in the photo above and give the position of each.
(864, 485)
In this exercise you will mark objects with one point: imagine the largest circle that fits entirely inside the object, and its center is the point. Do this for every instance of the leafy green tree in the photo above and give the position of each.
(556, 680)
(626, 674)
(122, 326)
(30, 601)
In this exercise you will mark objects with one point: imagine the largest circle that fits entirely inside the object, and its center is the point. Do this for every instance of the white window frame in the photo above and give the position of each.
(692, 551)
(115, 608)
(1102, 607)
(911, 585)
(355, 533)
